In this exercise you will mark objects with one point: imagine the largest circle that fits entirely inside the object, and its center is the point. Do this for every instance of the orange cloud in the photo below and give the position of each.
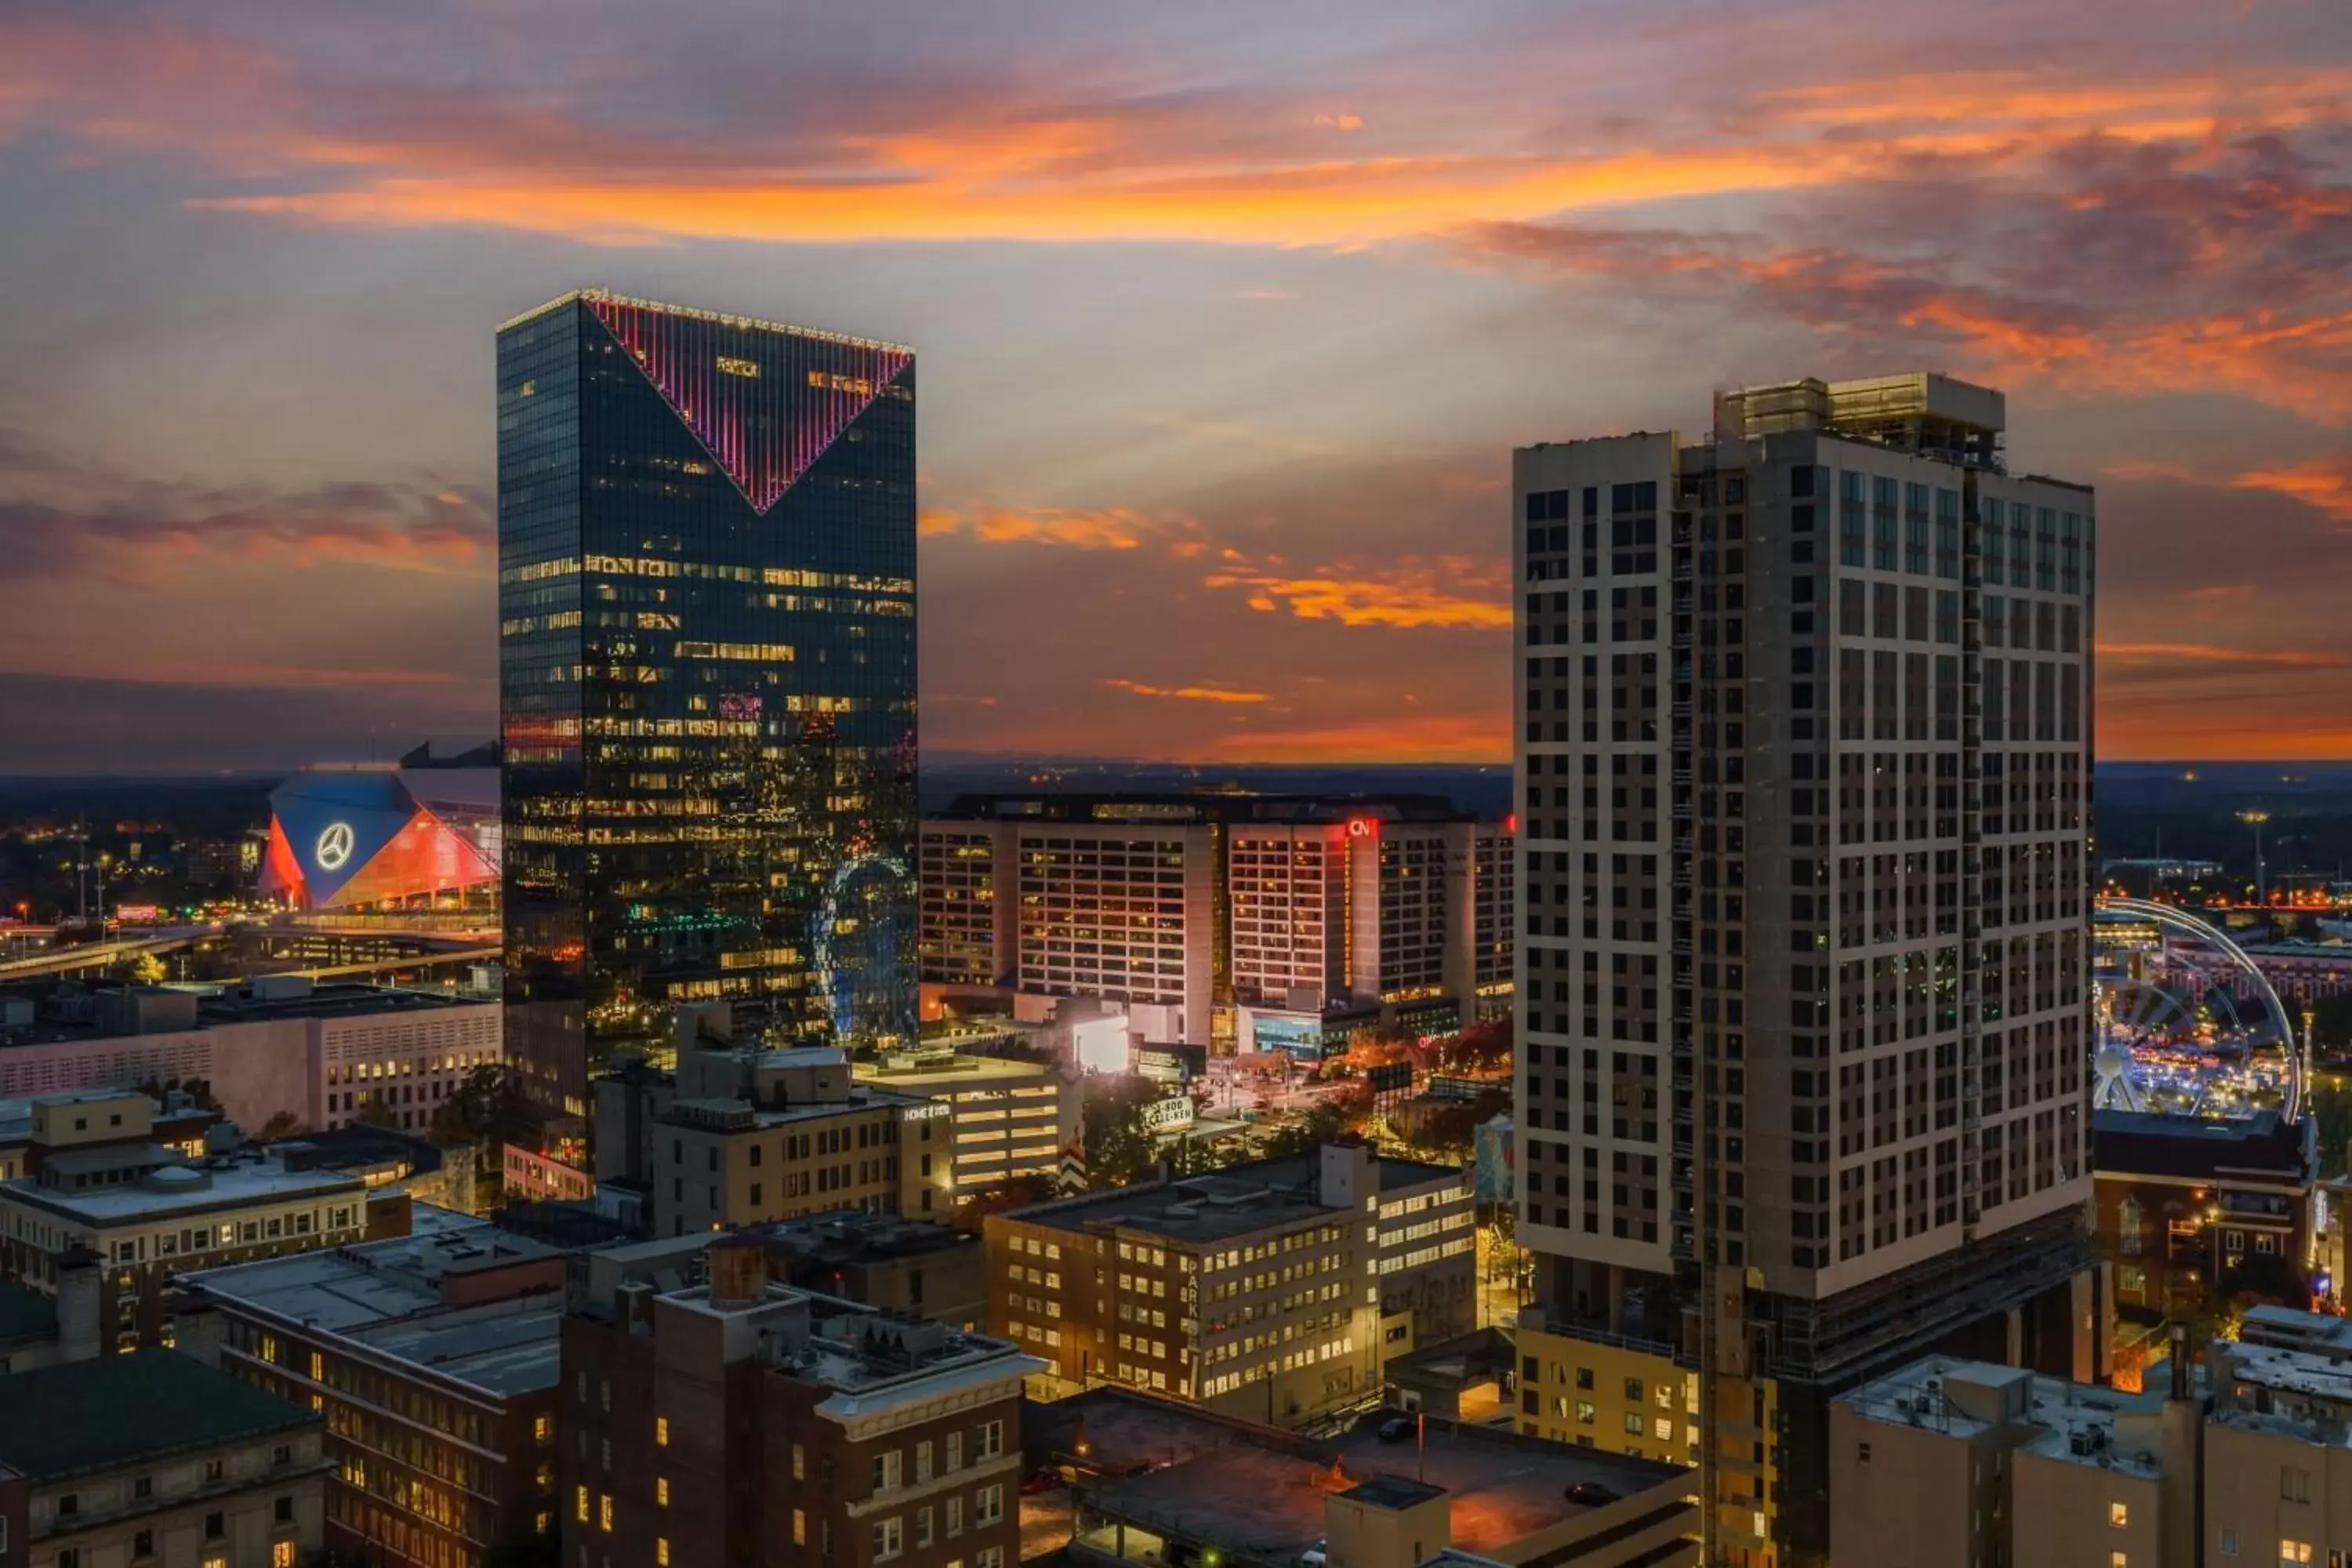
(2324, 484)
(1191, 693)
(2213, 653)
(1109, 528)
(1409, 593)
(1451, 737)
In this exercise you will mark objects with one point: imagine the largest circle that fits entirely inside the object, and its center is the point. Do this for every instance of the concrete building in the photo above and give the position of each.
(915, 1268)
(1008, 1118)
(120, 1219)
(154, 1458)
(716, 1418)
(279, 1045)
(1158, 1482)
(1957, 1464)
(1234, 920)
(97, 1118)
(1275, 1291)
(433, 1358)
(2190, 1211)
(740, 1136)
(1804, 763)
(1954, 1464)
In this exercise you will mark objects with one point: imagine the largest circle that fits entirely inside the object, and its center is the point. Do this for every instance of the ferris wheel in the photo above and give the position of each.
(2187, 1022)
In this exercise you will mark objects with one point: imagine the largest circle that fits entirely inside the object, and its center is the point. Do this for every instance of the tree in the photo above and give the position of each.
(139, 968)
(284, 1124)
(476, 1111)
(376, 1112)
(1120, 1150)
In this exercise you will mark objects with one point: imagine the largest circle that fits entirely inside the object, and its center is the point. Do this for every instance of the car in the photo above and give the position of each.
(1590, 1494)
(1313, 1557)
(1041, 1481)
(1395, 1429)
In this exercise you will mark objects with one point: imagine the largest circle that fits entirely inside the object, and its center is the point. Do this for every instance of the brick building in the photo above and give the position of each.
(714, 1419)
(433, 1359)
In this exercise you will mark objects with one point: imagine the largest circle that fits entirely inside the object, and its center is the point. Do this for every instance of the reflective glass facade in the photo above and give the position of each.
(707, 676)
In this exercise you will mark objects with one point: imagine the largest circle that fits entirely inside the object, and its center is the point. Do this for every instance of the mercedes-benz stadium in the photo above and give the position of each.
(421, 834)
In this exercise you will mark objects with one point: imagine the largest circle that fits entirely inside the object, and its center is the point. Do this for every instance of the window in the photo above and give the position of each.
(215, 1527)
(800, 1528)
(2117, 1560)
(2229, 1542)
(922, 1462)
(283, 1511)
(142, 1543)
(887, 1543)
(68, 1557)
(661, 1551)
(282, 1454)
(604, 1512)
(661, 1490)
(143, 1487)
(2295, 1486)
(215, 1470)
(2118, 1515)
(69, 1504)
(1633, 1422)
(990, 1440)
(580, 1504)
(281, 1555)
(988, 1506)
(954, 1506)
(922, 1527)
(2293, 1553)
(661, 1431)
(800, 1463)
(1862, 1453)
(1584, 1413)
(886, 1471)
(955, 1451)
(989, 1557)
(543, 1428)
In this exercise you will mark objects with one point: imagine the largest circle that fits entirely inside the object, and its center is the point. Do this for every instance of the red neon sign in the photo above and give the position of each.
(1363, 827)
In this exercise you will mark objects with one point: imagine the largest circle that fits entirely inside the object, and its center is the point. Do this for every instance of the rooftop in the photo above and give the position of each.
(2148, 1143)
(223, 1181)
(1259, 1195)
(102, 1415)
(392, 1298)
(748, 323)
(2070, 1421)
(918, 1073)
(25, 1315)
(215, 1008)
(1253, 1489)
(856, 1236)
(1178, 809)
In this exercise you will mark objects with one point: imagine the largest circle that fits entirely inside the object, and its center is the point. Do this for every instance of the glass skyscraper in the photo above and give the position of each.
(706, 684)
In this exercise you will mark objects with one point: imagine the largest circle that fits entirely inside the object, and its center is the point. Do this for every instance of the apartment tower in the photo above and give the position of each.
(1805, 768)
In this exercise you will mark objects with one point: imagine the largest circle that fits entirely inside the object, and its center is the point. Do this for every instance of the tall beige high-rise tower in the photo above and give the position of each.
(1804, 761)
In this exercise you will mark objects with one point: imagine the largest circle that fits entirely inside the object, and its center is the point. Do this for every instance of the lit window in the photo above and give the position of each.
(281, 1555)
(661, 1431)
(800, 1528)
(2293, 1553)
(604, 1512)
(661, 1551)
(661, 1490)
(2118, 1515)
(580, 1504)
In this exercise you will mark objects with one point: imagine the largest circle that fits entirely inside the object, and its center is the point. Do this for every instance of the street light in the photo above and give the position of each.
(2254, 820)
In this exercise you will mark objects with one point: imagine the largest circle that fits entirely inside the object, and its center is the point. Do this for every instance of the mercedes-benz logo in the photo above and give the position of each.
(334, 847)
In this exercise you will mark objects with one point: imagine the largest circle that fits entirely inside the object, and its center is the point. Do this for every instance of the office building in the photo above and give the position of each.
(1009, 1118)
(706, 657)
(715, 1417)
(155, 1459)
(742, 1135)
(321, 1055)
(1804, 774)
(1247, 922)
(1160, 1482)
(1275, 1291)
(117, 1221)
(433, 1358)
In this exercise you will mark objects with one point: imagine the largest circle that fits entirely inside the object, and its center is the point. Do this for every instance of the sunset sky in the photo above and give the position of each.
(1228, 317)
